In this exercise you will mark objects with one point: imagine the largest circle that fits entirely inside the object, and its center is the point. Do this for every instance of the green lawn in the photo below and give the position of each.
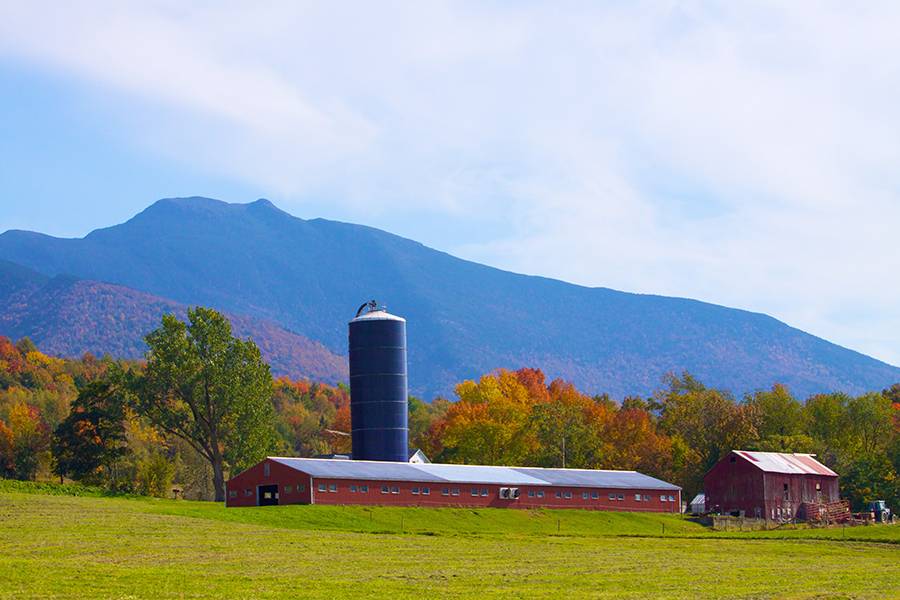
(54, 545)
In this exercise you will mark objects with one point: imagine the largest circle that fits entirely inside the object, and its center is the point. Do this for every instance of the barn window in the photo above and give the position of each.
(558, 494)
(671, 498)
(484, 491)
(637, 497)
(585, 495)
(353, 488)
(266, 469)
(385, 489)
(395, 490)
(301, 487)
(426, 491)
(363, 489)
(567, 494)
(612, 496)
(415, 491)
(595, 495)
(531, 493)
(288, 489)
(248, 492)
(445, 492)
(662, 498)
(818, 487)
(332, 487)
(232, 493)
(540, 493)
(322, 487)
(474, 491)
(455, 492)
(786, 493)
(620, 497)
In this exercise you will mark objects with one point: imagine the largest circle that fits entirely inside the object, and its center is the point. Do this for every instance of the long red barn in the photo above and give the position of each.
(277, 480)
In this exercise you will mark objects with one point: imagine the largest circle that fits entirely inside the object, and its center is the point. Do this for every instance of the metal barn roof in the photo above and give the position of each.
(462, 474)
(783, 462)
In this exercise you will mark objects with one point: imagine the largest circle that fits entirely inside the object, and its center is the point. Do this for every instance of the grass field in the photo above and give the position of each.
(53, 544)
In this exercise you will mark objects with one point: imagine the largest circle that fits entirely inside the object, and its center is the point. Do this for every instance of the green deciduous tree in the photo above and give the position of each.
(568, 428)
(869, 424)
(92, 438)
(707, 420)
(210, 389)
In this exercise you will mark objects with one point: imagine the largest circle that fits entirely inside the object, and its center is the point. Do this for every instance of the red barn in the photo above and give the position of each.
(768, 485)
(278, 480)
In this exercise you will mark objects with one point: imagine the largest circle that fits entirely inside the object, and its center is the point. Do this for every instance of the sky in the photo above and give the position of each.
(741, 153)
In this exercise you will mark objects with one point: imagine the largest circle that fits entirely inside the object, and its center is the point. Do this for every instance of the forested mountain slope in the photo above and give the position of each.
(67, 316)
(464, 318)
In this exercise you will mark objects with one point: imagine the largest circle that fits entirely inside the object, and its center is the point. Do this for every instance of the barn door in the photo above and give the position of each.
(267, 495)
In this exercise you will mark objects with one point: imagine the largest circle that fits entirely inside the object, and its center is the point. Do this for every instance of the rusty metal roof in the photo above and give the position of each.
(784, 462)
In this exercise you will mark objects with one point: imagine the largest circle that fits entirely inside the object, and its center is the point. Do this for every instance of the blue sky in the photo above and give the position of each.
(739, 153)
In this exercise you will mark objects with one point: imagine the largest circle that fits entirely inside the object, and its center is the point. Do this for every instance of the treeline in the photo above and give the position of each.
(677, 434)
(203, 406)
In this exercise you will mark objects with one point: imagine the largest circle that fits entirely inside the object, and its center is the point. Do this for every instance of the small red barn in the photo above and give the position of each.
(768, 485)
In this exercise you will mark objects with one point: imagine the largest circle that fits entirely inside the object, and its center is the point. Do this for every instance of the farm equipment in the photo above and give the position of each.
(880, 511)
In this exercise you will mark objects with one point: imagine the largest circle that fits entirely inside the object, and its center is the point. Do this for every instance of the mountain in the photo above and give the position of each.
(66, 316)
(464, 318)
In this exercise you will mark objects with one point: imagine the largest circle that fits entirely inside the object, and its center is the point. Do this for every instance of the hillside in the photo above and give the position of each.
(65, 546)
(66, 316)
(464, 318)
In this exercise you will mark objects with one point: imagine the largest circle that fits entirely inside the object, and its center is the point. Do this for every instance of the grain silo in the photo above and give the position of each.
(378, 385)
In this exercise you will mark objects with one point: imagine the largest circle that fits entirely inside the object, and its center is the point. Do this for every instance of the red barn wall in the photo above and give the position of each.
(741, 486)
(735, 486)
(241, 489)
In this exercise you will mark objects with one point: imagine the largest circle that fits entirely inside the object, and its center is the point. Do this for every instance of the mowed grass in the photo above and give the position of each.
(84, 546)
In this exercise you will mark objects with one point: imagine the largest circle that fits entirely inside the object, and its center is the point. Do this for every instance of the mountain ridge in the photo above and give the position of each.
(464, 318)
(67, 316)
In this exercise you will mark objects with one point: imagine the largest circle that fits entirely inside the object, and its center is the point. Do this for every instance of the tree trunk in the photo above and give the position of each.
(218, 477)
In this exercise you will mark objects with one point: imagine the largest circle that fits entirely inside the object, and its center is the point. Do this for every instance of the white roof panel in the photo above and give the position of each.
(477, 474)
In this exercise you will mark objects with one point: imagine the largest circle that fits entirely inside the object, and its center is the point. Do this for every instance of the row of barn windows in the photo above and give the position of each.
(475, 492)
(287, 490)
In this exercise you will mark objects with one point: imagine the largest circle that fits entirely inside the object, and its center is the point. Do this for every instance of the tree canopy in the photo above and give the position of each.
(210, 389)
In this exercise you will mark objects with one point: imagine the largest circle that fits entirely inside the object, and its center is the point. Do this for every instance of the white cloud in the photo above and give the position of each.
(737, 153)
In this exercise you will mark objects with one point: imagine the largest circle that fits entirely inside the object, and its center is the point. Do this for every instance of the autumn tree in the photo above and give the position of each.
(568, 427)
(488, 425)
(210, 389)
(30, 440)
(7, 457)
(635, 443)
(92, 438)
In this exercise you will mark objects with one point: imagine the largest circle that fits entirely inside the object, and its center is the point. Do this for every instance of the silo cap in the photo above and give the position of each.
(378, 315)
(371, 311)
